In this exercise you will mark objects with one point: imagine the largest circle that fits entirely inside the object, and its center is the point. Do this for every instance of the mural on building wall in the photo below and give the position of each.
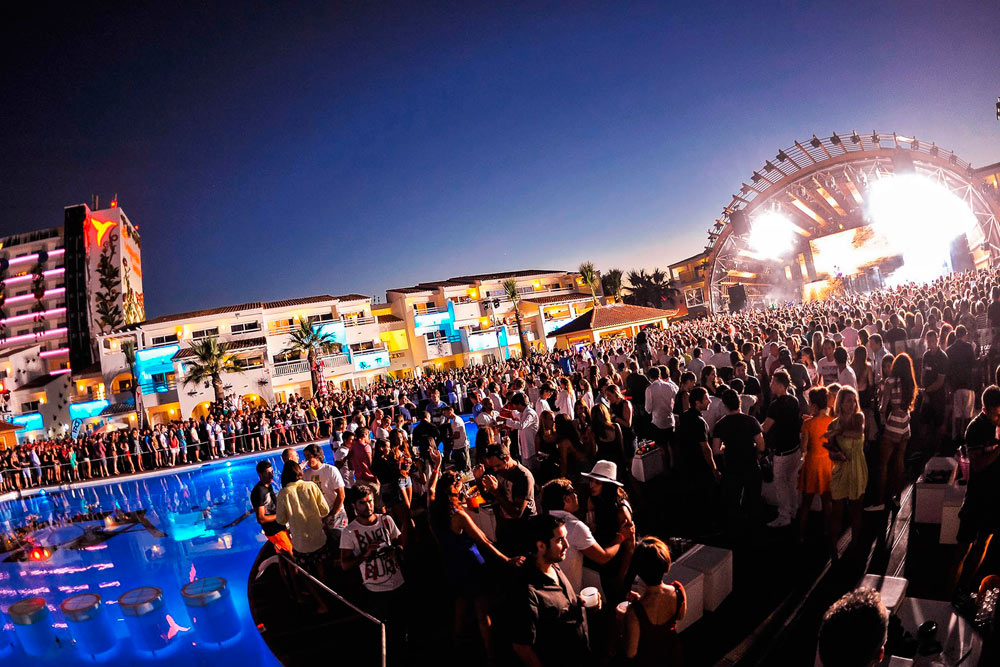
(134, 301)
(106, 299)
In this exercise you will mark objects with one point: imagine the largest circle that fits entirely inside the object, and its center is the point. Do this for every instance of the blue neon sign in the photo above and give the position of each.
(31, 421)
(88, 409)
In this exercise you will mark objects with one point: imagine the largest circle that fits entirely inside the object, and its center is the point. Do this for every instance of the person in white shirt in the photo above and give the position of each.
(850, 335)
(526, 422)
(459, 440)
(845, 374)
(566, 399)
(660, 396)
(827, 366)
(330, 482)
(545, 393)
(560, 500)
(696, 363)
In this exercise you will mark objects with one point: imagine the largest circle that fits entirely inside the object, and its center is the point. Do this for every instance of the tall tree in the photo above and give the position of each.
(211, 360)
(611, 283)
(128, 349)
(590, 278)
(510, 288)
(309, 341)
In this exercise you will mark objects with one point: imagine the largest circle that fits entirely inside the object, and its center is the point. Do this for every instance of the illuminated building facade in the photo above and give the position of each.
(58, 287)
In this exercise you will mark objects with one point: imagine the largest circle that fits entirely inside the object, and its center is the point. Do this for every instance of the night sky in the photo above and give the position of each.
(277, 151)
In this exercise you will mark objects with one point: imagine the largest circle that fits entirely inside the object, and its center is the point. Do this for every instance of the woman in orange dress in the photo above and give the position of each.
(814, 476)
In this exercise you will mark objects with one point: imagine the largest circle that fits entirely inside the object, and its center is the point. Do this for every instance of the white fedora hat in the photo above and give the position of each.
(604, 471)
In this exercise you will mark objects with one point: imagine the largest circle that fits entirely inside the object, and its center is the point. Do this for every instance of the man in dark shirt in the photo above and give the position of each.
(781, 430)
(993, 312)
(425, 435)
(549, 621)
(979, 517)
(696, 472)
(932, 379)
(262, 499)
(741, 440)
(512, 486)
(961, 361)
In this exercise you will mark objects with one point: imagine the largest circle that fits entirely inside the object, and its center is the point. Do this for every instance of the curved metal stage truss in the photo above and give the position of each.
(821, 185)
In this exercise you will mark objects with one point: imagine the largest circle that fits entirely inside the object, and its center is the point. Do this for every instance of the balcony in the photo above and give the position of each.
(467, 312)
(158, 392)
(429, 310)
(335, 364)
(361, 330)
(290, 367)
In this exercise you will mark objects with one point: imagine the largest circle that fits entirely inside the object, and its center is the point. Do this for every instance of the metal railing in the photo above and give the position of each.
(370, 350)
(277, 331)
(335, 360)
(357, 610)
(428, 311)
(291, 367)
(359, 321)
(157, 386)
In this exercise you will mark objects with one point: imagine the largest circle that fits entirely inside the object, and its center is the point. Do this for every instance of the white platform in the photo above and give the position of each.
(930, 497)
(694, 586)
(956, 636)
(892, 589)
(717, 566)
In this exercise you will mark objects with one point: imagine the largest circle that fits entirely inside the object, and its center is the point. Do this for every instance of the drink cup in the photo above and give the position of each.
(590, 597)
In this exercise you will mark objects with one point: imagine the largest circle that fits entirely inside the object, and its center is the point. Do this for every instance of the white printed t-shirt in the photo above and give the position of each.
(381, 572)
(580, 538)
(329, 479)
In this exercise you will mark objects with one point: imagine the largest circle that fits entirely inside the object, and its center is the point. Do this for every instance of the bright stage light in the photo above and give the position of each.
(921, 218)
(771, 235)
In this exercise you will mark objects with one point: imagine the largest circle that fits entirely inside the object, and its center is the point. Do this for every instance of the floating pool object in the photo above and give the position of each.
(33, 625)
(89, 625)
(146, 618)
(211, 609)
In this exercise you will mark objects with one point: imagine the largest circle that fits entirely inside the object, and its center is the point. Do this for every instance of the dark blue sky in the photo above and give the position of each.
(276, 151)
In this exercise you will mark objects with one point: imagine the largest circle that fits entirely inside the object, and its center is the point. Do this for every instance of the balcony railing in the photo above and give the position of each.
(333, 360)
(277, 331)
(291, 367)
(428, 311)
(359, 321)
(370, 350)
(157, 386)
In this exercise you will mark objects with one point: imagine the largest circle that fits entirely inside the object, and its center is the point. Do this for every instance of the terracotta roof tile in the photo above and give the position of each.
(504, 274)
(610, 316)
(285, 303)
(558, 298)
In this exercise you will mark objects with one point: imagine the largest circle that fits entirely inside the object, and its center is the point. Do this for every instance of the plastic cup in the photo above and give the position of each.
(590, 597)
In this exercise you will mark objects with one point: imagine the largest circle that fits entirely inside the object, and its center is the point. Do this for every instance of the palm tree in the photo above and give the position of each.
(611, 283)
(128, 349)
(211, 360)
(510, 287)
(638, 287)
(590, 278)
(311, 342)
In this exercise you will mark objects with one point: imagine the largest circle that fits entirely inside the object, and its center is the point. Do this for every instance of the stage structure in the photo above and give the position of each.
(835, 213)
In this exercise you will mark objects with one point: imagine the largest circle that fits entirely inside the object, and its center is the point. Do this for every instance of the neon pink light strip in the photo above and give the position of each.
(61, 371)
(21, 279)
(58, 252)
(29, 316)
(32, 336)
(28, 297)
(53, 353)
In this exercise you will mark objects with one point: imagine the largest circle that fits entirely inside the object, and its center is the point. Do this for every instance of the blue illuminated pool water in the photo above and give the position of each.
(170, 529)
(161, 531)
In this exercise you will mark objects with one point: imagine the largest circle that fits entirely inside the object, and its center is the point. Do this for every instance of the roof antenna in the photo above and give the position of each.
(95, 202)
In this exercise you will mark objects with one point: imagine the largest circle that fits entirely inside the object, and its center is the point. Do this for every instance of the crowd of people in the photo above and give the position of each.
(824, 399)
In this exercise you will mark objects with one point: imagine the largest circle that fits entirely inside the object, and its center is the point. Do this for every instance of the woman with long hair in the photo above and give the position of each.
(849, 478)
(899, 392)
(609, 514)
(607, 435)
(573, 456)
(814, 476)
(462, 546)
(865, 376)
(547, 447)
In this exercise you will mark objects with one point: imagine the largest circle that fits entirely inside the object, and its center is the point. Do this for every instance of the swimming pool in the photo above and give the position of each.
(164, 530)
(160, 531)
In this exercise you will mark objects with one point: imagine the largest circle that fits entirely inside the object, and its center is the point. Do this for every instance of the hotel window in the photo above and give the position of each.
(253, 362)
(163, 340)
(205, 333)
(245, 328)
(323, 317)
(280, 324)
(22, 332)
(125, 384)
(30, 406)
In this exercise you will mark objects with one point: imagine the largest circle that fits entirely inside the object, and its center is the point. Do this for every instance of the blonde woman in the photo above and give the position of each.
(846, 441)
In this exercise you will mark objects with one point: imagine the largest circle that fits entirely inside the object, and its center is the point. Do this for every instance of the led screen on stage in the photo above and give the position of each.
(847, 253)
